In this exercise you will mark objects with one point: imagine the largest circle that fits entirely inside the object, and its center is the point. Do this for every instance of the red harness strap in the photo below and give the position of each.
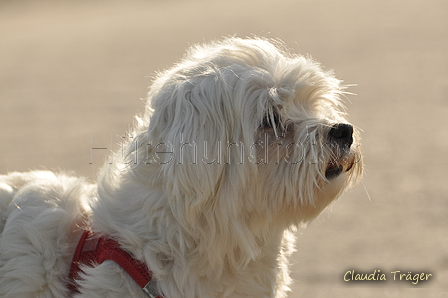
(94, 249)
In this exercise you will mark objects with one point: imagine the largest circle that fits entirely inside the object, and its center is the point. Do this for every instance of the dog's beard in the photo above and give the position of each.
(302, 170)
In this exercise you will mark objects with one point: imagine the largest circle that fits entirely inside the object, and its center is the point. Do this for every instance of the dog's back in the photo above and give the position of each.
(10, 184)
(40, 212)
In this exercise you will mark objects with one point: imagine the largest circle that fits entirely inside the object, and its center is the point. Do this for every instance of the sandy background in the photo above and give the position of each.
(72, 74)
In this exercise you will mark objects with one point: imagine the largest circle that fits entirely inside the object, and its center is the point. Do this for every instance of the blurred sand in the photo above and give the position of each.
(72, 74)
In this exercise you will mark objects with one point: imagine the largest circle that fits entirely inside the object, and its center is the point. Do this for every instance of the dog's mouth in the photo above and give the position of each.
(333, 171)
(337, 167)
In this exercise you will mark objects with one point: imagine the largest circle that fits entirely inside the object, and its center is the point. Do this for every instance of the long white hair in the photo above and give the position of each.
(196, 194)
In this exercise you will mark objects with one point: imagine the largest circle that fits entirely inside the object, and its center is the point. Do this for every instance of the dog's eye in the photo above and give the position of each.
(271, 121)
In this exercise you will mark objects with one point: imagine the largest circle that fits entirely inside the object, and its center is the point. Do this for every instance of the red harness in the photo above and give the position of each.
(94, 249)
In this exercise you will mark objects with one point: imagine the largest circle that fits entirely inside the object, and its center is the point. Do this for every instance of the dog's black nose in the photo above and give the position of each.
(342, 134)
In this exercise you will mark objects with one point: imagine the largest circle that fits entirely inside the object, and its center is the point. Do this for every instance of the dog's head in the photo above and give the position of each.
(242, 129)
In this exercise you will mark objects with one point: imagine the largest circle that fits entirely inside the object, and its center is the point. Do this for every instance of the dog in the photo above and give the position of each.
(240, 144)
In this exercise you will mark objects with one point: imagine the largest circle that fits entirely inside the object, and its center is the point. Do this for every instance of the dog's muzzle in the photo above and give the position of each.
(340, 139)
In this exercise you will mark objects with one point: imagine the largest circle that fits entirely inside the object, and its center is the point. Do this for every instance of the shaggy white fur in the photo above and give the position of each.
(240, 144)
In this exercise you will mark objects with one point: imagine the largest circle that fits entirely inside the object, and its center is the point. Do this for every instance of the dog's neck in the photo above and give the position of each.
(223, 261)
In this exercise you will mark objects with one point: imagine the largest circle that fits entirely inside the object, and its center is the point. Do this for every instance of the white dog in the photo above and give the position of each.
(240, 144)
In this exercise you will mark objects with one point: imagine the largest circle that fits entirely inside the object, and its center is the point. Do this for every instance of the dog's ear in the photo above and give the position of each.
(196, 142)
